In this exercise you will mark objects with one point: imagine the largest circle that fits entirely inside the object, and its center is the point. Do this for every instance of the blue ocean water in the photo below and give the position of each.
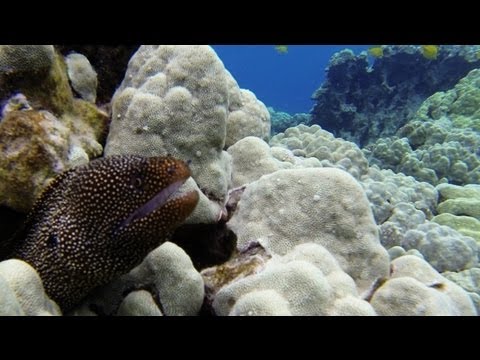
(283, 81)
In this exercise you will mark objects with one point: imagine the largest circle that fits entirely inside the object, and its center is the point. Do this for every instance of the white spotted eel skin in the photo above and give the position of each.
(100, 220)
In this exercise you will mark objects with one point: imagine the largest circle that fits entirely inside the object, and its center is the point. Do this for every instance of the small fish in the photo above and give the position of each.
(100, 220)
(376, 51)
(430, 51)
(281, 49)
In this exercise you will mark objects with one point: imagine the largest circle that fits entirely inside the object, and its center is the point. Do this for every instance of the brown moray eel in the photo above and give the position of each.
(100, 220)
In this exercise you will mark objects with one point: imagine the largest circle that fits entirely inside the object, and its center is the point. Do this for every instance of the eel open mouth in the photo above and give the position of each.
(154, 203)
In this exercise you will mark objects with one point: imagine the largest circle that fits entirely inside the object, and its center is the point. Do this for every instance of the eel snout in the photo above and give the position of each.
(174, 173)
(160, 199)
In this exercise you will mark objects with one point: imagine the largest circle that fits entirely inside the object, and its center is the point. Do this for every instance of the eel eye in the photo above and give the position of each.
(52, 241)
(171, 170)
(137, 182)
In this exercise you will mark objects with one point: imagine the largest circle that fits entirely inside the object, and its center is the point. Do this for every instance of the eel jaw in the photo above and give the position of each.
(153, 204)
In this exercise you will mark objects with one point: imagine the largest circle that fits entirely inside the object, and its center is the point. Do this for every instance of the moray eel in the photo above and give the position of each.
(100, 220)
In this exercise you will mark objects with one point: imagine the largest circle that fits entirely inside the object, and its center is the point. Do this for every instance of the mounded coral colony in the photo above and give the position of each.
(322, 226)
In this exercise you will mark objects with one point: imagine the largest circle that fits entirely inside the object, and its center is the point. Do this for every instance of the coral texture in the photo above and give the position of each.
(321, 205)
(181, 100)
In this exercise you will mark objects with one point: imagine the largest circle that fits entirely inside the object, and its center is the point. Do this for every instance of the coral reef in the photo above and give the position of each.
(362, 103)
(302, 223)
(181, 100)
(440, 144)
(170, 279)
(402, 208)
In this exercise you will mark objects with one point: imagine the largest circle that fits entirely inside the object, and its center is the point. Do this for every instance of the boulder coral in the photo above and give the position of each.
(416, 289)
(139, 303)
(326, 206)
(19, 279)
(169, 278)
(459, 209)
(26, 58)
(444, 248)
(247, 116)
(181, 100)
(252, 158)
(469, 280)
(385, 189)
(306, 281)
(109, 61)
(313, 141)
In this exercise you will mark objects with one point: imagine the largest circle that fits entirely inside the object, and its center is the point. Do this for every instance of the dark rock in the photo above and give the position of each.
(10, 222)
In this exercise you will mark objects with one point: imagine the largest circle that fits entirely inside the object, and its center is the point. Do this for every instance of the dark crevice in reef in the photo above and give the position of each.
(11, 223)
(109, 61)
(206, 244)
